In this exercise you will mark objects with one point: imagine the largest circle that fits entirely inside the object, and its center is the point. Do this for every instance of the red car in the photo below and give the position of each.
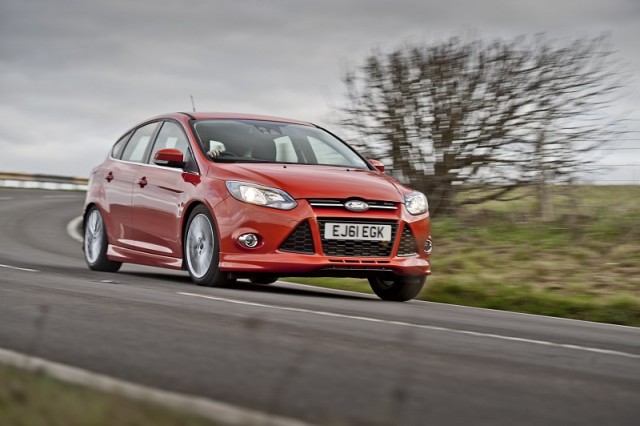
(229, 196)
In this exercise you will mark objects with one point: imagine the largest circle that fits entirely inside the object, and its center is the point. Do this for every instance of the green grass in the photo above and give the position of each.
(583, 264)
(32, 399)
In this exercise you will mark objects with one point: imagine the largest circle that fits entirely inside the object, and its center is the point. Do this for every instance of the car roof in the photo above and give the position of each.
(233, 116)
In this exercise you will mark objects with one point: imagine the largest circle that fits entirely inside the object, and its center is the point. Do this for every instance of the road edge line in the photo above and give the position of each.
(600, 351)
(213, 410)
(453, 305)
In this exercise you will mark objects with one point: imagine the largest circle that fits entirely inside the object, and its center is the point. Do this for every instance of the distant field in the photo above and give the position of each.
(583, 264)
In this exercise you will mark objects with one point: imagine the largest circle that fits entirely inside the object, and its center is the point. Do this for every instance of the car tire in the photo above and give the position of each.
(95, 243)
(263, 279)
(202, 250)
(398, 289)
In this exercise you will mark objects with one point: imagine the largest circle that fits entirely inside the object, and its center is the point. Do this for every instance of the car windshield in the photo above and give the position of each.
(273, 142)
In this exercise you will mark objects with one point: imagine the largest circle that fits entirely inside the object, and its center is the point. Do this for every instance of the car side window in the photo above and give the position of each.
(139, 143)
(170, 136)
(116, 151)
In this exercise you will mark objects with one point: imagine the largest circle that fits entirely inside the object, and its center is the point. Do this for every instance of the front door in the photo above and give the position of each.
(158, 196)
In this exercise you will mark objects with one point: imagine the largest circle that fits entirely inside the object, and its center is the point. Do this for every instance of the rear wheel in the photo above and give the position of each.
(398, 289)
(95, 243)
(202, 251)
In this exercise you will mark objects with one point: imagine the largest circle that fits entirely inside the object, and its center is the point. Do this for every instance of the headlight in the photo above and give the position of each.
(261, 195)
(416, 203)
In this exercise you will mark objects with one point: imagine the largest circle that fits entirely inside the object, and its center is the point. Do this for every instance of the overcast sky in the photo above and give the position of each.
(75, 74)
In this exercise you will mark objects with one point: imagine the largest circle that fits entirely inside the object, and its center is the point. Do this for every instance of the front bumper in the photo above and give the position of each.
(274, 227)
(293, 264)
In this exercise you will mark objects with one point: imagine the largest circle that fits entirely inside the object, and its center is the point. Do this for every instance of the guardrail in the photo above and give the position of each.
(42, 181)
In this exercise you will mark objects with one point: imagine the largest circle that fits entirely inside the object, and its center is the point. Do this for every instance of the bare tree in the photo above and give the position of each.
(469, 121)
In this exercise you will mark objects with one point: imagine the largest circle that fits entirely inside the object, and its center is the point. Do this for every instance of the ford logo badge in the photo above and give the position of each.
(356, 206)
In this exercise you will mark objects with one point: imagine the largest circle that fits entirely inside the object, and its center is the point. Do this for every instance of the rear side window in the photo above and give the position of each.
(138, 144)
(116, 151)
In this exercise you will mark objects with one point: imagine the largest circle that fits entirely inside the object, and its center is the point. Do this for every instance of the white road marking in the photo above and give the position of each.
(72, 228)
(526, 314)
(6, 198)
(19, 269)
(62, 196)
(420, 326)
(219, 412)
(450, 305)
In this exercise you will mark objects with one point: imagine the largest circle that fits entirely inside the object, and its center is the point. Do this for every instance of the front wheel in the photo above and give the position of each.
(95, 243)
(202, 251)
(398, 289)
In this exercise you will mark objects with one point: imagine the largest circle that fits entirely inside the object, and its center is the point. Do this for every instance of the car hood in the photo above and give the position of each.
(305, 181)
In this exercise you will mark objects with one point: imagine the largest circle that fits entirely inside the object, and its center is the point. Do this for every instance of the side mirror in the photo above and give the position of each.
(378, 165)
(169, 157)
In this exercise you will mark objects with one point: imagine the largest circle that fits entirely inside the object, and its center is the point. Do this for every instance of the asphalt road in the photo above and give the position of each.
(318, 355)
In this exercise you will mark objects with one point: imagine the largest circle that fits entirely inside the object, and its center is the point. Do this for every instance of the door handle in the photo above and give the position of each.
(143, 182)
(109, 177)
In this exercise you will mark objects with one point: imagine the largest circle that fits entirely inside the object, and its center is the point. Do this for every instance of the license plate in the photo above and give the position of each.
(357, 231)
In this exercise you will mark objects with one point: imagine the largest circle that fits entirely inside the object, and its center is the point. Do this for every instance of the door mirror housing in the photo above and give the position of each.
(169, 157)
(378, 165)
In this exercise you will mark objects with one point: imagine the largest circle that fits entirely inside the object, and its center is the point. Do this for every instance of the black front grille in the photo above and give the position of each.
(408, 246)
(300, 240)
(357, 248)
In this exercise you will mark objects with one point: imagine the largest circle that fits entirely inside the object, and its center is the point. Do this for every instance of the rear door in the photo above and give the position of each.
(158, 197)
(119, 177)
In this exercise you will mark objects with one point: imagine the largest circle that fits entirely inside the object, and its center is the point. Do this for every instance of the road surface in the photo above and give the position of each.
(322, 356)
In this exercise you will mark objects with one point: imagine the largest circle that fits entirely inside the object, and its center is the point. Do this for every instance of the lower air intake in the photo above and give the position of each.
(300, 240)
(408, 246)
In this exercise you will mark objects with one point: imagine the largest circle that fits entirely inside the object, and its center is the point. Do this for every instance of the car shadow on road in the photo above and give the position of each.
(249, 287)
(276, 289)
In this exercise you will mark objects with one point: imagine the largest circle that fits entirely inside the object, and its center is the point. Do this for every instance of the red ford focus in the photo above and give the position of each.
(229, 196)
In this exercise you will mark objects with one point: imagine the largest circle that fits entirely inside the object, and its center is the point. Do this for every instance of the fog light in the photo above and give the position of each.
(248, 240)
(428, 246)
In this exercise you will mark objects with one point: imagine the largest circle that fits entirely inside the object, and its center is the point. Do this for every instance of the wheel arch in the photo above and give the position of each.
(87, 209)
(185, 220)
(107, 227)
(213, 276)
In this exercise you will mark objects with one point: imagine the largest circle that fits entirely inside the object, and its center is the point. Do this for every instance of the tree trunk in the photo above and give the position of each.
(544, 199)
(545, 207)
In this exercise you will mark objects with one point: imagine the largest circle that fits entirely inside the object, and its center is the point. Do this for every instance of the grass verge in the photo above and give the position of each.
(33, 399)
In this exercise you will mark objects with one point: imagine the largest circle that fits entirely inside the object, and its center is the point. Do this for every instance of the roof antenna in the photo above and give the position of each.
(193, 104)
